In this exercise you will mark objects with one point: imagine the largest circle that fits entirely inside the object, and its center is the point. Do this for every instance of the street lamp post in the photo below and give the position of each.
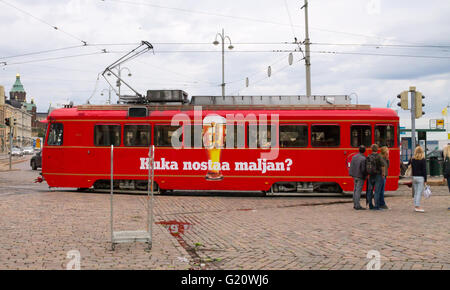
(230, 47)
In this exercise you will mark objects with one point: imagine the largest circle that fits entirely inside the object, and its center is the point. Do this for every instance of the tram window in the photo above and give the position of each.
(384, 135)
(293, 136)
(235, 136)
(55, 136)
(163, 135)
(107, 135)
(136, 135)
(193, 136)
(325, 135)
(360, 135)
(260, 136)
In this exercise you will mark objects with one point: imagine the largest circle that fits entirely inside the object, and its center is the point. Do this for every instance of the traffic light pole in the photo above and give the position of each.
(416, 110)
(10, 147)
(413, 118)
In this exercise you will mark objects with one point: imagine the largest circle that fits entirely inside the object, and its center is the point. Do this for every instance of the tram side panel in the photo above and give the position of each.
(78, 163)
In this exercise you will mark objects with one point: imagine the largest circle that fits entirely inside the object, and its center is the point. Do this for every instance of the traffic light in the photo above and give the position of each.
(7, 123)
(403, 96)
(419, 104)
(15, 122)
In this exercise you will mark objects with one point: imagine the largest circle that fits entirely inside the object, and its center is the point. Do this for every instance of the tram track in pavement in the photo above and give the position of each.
(4, 162)
(143, 203)
(255, 209)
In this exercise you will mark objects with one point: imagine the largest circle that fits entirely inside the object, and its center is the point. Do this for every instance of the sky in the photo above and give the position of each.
(383, 47)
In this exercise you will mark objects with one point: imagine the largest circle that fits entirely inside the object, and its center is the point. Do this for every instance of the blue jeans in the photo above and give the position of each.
(418, 185)
(382, 202)
(359, 184)
(374, 182)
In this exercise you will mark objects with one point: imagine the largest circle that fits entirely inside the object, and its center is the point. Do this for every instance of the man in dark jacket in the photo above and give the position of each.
(376, 176)
(358, 172)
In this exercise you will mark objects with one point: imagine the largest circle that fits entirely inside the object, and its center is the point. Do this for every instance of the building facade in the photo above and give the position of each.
(21, 114)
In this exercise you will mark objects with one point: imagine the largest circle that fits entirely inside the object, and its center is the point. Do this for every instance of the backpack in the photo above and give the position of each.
(446, 171)
(371, 165)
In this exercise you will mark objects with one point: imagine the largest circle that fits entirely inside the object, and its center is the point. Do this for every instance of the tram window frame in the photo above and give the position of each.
(392, 138)
(273, 141)
(55, 139)
(334, 144)
(125, 138)
(192, 136)
(306, 139)
(155, 135)
(361, 143)
(235, 135)
(109, 143)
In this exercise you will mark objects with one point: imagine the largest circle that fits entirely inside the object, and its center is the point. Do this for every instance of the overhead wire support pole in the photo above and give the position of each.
(307, 52)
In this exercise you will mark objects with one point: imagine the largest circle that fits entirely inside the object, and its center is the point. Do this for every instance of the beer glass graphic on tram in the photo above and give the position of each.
(213, 133)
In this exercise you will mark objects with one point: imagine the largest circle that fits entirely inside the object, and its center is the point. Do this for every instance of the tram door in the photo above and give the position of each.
(53, 157)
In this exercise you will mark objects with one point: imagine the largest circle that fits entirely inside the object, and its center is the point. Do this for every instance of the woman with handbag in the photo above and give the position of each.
(419, 174)
(446, 166)
(384, 153)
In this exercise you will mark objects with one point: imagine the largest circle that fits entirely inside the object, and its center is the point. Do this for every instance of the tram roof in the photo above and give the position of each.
(121, 111)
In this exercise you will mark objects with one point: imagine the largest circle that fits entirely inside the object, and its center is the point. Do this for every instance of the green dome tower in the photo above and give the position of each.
(17, 92)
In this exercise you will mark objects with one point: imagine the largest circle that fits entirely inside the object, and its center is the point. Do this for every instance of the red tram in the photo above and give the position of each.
(305, 148)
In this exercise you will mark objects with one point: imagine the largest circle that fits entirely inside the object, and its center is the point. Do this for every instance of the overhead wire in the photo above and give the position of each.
(279, 59)
(260, 80)
(43, 21)
(41, 52)
(244, 18)
(56, 58)
(176, 73)
(259, 71)
(383, 45)
(242, 43)
(290, 20)
(382, 54)
(104, 51)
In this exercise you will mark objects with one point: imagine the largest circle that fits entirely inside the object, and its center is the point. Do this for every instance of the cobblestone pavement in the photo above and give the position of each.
(38, 227)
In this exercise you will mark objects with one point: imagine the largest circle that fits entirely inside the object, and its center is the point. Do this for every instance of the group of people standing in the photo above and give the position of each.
(374, 168)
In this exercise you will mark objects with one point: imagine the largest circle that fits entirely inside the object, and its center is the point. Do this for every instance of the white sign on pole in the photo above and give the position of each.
(432, 123)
